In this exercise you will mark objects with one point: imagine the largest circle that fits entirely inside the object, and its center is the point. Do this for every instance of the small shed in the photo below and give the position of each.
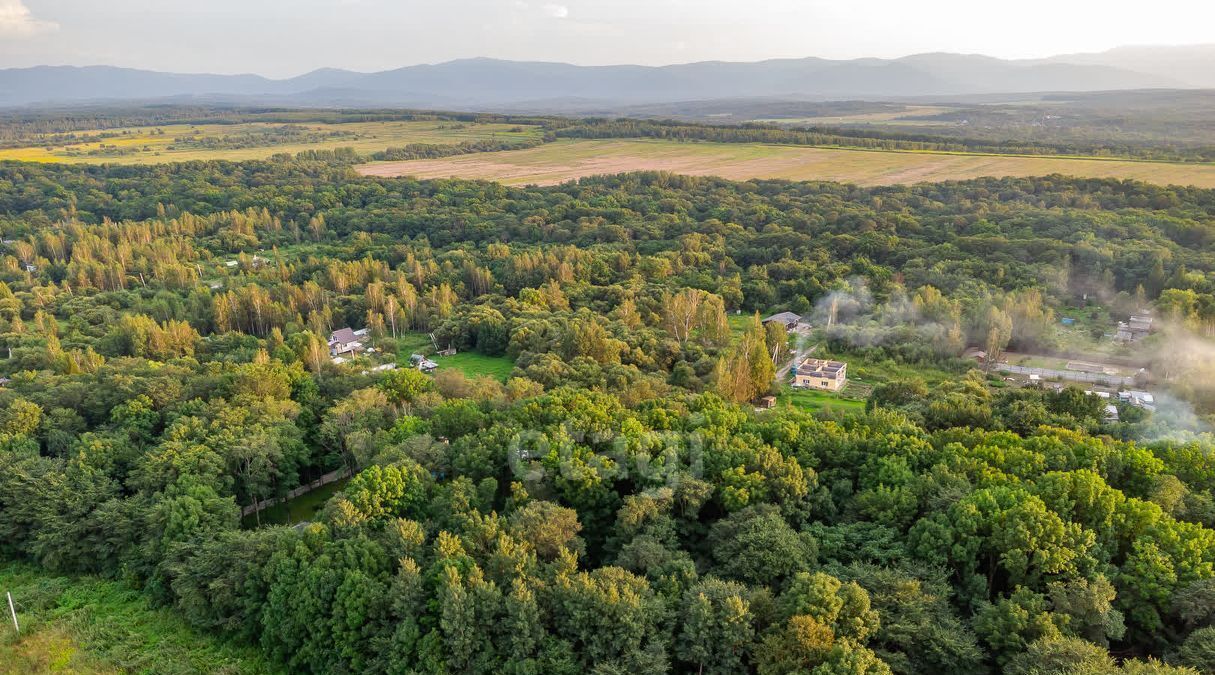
(422, 363)
(767, 402)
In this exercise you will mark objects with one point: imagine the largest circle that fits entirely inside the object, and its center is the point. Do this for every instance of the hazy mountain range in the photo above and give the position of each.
(488, 83)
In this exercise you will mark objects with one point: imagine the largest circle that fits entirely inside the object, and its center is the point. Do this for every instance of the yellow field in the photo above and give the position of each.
(150, 145)
(567, 160)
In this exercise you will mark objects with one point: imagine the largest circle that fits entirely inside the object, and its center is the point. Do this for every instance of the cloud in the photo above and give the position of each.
(16, 20)
(557, 11)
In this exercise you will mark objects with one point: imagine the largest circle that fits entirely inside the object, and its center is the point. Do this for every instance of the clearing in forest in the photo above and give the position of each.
(567, 160)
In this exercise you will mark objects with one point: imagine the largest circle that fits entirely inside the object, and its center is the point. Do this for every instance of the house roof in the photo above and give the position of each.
(343, 335)
(821, 367)
(784, 317)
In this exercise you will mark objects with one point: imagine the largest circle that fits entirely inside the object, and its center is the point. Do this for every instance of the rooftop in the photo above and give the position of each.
(784, 317)
(344, 335)
(821, 367)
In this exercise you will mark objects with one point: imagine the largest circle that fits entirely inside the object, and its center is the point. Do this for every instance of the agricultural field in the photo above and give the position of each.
(90, 626)
(256, 140)
(912, 115)
(567, 160)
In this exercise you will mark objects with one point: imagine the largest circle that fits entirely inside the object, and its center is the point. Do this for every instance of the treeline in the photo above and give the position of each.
(259, 138)
(435, 151)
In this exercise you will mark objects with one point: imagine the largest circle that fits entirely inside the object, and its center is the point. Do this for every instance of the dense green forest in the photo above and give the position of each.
(615, 503)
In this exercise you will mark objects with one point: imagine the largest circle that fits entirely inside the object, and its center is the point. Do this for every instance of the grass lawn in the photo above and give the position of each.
(473, 364)
(739, 323)
(148, 145)
(864, 372)
(302, 508)
(412, 343)
(819, 400)
(88, 625)
(567, 160)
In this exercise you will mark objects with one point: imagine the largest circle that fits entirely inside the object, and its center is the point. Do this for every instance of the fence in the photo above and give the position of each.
(328, 478)
(1074, 376)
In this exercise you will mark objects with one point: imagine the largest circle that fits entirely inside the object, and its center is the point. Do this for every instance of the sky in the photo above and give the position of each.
(282, 38)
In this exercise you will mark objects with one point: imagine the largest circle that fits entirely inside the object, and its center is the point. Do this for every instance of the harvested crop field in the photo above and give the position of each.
(568, 160)
(254, 140)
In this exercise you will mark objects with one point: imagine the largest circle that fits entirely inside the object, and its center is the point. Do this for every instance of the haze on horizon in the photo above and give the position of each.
(282, 38)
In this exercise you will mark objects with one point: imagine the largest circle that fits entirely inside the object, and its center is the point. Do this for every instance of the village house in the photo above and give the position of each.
(821, 374)
(1134, 329)
(1139, 399)
(346, 341)
(789, 320)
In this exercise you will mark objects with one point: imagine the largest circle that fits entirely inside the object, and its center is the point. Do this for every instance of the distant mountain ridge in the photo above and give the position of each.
(482, 82)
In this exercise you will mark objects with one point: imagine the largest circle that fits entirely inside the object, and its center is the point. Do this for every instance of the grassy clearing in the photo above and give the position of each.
(819, 400)
(412, 343)
(88, 625)
(567, 160)
(301, 509)
(473, 364)
(151, 145)
(865, 373)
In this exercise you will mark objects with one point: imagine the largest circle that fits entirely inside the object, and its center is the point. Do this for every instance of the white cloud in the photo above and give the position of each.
(16, 20)
(557, 11)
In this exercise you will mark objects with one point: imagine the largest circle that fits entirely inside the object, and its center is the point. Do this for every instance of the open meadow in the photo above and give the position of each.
(255, 140)
(563, 161)
(92, 626)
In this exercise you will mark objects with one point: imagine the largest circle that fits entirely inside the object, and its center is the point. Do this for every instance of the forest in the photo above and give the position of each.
(616, 503)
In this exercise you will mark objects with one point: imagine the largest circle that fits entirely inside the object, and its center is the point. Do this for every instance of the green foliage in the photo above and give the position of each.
(587, 486)
(1198, 650)
(89, 625)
